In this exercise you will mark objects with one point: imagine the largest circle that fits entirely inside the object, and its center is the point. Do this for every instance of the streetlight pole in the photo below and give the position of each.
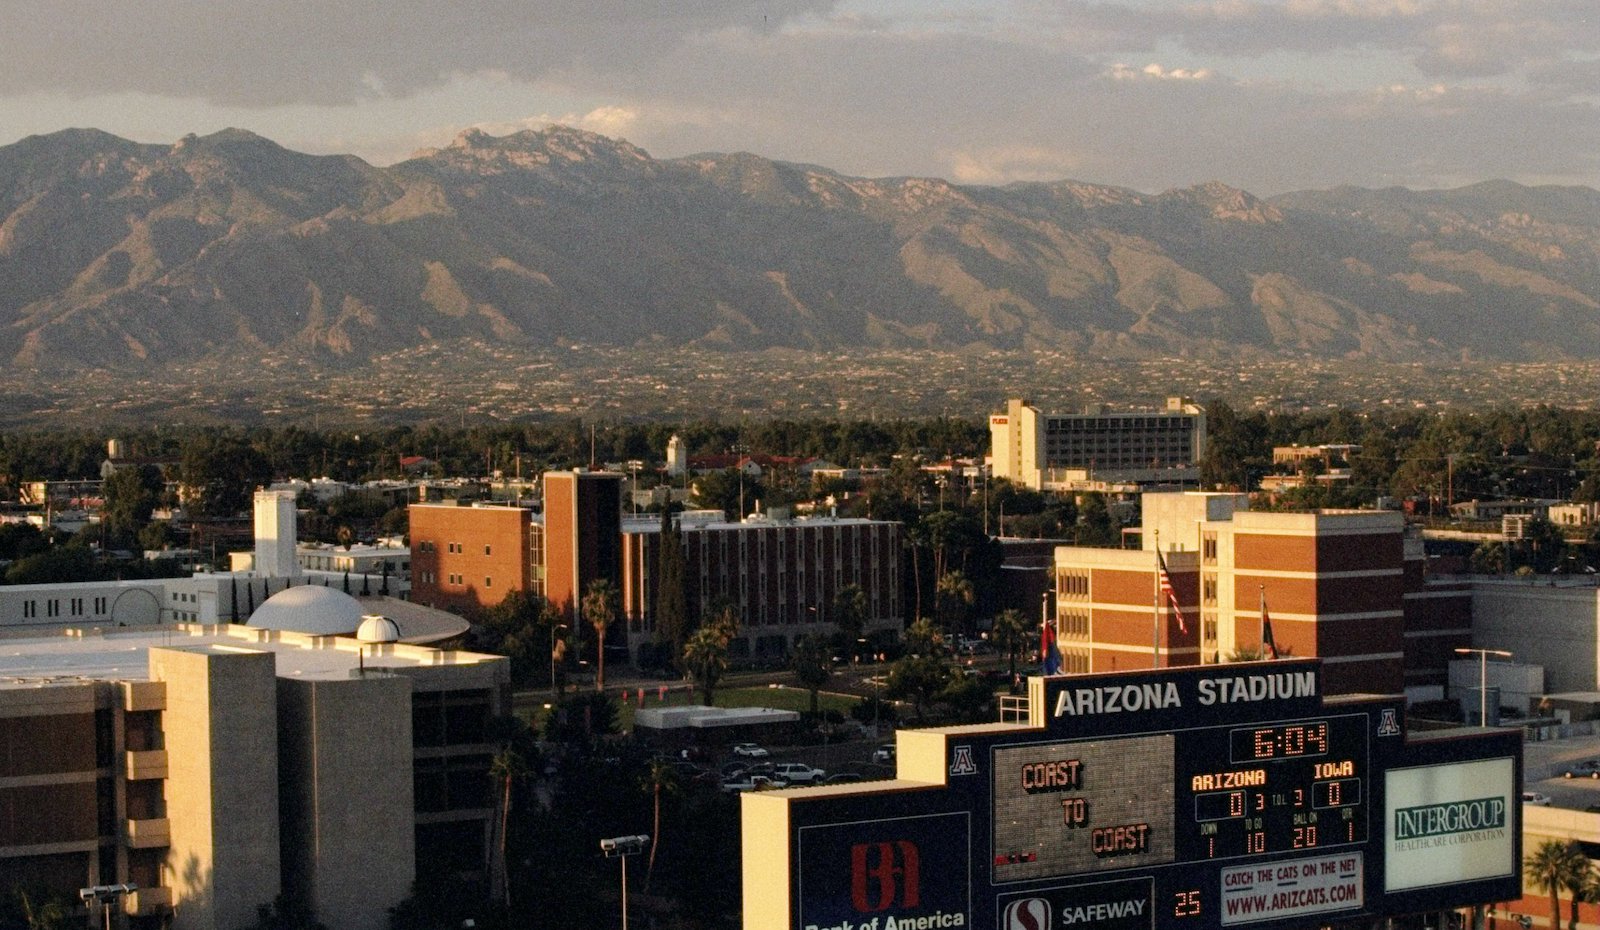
(1483, 677)
(621, 847)
(104, 896)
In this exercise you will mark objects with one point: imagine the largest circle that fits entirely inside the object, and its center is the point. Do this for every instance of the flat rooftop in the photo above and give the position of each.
(124, 655)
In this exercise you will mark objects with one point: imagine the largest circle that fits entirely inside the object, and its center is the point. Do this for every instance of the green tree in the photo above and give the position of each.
(1095, 526)
(1555, 865)
(519, 628)
(220, 473)
(812, 663)
(953, 598)
(600, 611)
(506, 769)
(661, 779)
(1581, 885)
(968, 697)
(54, 566)
(672, 607)
(723, 490)
(131, 495)
(918, 679)
(48, 914)
(1011, 636)
(849, 615)
(705, 658)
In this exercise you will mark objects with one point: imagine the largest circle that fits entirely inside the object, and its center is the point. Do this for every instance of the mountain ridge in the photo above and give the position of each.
(126, 255)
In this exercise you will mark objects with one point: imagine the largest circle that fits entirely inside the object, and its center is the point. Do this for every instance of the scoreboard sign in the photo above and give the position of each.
(1178, 799)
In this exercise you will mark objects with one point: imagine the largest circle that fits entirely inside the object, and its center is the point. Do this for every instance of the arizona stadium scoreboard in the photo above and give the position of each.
(1179, 799)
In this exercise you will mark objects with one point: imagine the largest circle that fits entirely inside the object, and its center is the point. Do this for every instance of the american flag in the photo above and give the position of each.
(1168, 593)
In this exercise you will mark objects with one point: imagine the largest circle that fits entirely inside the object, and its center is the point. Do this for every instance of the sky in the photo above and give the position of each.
(1267, 95)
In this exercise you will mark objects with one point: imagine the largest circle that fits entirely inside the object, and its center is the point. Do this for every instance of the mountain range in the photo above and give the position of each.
(122, 255)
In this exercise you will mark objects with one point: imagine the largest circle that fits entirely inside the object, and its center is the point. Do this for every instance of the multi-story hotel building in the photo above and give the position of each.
(782, 575)
(1066, 451)
(1343, 586)
(214, 767)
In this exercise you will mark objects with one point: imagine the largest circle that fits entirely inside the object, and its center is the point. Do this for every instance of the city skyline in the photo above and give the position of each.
(1268, 96)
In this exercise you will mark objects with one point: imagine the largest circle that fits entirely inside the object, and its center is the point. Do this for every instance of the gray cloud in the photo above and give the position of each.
(1150, 94)
(302, 51)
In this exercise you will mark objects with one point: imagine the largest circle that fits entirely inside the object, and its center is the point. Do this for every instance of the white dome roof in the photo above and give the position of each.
(378, 629)
(312, 609)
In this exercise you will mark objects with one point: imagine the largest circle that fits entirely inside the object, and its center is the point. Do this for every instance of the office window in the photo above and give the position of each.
(486, 551)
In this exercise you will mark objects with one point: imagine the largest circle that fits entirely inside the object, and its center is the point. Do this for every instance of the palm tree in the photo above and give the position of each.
(47, 916)
(662, 778)
(1552, 867)
(1583, 884)
(507, 768)
(953, 594)
(600, 608)
(705, 657)
(1011, 636)
(812, 663)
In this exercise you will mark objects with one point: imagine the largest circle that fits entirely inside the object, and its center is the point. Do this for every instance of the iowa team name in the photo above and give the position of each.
(1161, 695)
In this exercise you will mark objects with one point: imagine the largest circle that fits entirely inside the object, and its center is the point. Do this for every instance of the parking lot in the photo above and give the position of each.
(1543, 762)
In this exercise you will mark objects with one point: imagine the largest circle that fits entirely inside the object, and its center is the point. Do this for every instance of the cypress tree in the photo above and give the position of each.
(672, 615)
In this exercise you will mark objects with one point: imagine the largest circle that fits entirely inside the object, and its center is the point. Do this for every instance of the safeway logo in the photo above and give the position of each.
(883, 875)
(1027, 914)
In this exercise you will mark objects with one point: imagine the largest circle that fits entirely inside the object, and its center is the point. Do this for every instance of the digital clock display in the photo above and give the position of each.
(1283, 787)
(1284, 741)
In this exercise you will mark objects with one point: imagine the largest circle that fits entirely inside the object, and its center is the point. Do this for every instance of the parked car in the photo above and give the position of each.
(750, 751)
(1537, 798)
(798, 773)
(840, 778)
(742, 783)
(884, 753)
(1588, 768)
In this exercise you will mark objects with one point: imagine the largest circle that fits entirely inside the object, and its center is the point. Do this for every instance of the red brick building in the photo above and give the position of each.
(464, 558)
(782, 575)
(1342, 586)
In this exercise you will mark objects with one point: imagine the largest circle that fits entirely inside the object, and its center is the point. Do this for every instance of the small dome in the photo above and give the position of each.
(313, 609)
(376, 628)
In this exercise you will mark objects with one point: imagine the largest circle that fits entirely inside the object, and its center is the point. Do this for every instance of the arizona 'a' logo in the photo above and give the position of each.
(1387, 725)
(885, 874)
(961, 762)
(1027, 914)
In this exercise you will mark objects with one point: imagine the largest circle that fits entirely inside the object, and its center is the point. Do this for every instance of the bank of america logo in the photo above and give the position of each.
(1027, 914)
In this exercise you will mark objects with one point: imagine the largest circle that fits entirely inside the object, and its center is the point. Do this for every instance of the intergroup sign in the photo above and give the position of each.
(1182, 799)
(1450, 823)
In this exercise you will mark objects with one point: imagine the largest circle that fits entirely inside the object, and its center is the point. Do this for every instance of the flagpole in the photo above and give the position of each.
(1155, 610)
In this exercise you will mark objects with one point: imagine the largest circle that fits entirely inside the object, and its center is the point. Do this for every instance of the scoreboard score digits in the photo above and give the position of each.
(1290, 786)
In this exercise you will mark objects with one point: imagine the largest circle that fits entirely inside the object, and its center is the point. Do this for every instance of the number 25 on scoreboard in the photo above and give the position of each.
(1186, 903)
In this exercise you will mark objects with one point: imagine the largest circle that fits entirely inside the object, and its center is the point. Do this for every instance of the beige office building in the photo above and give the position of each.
(1084, 451)
(214, 767)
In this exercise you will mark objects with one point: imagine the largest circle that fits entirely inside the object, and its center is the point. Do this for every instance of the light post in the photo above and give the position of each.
(1483, 677)
(553, 630)
(104, 896)
(621, 847)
